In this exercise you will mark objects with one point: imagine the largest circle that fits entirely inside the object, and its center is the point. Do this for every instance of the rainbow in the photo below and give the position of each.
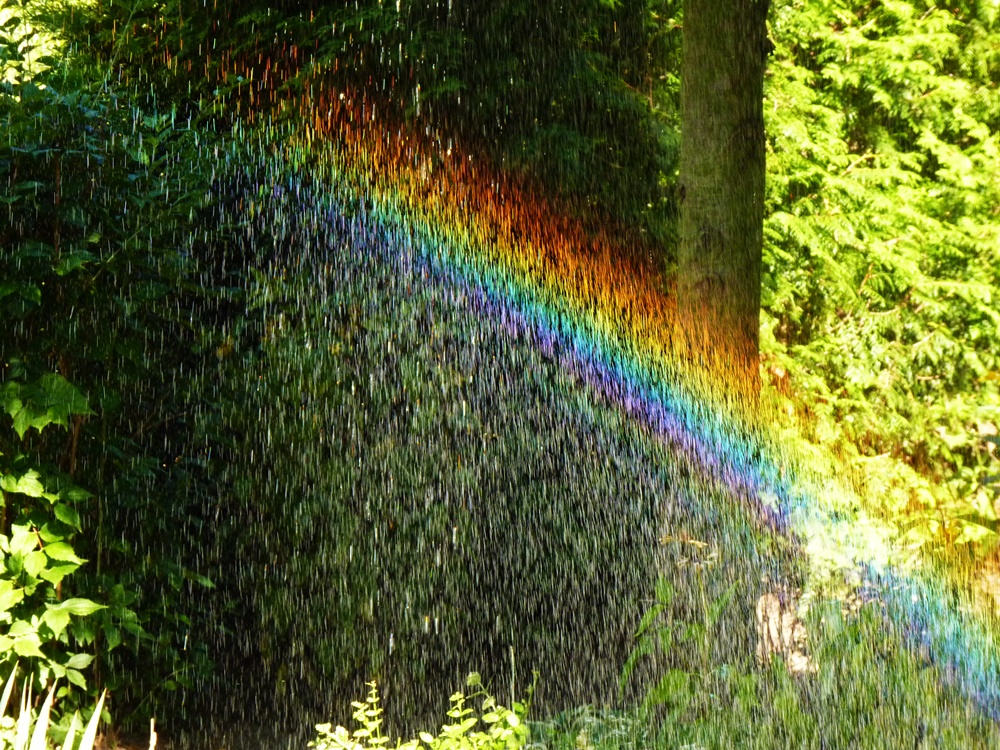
(593, 299)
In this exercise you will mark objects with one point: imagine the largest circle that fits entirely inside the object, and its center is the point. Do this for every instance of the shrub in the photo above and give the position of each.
(36, 728)
(506, 729)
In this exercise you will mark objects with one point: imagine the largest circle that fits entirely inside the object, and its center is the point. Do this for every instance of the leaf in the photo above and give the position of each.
(973, 532)
(56, 619)
(112, 637)
(90, 733)
(10, 598)
(34, 563)
(23, 540)
(7, 690)
(56, 573)
(647, 619)
(199, 579)
(673, 687)
(63, 552)
(74, 727)
(664, 591)
(28, 646)
(52, 400)
(28, 484)
(69, 262)
(720, 604)
(39, 736)
(20, 628)
(62, 399)
(80, 607)
(80, 661)
(644, 648)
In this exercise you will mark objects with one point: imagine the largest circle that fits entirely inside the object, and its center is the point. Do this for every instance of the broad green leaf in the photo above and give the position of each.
(672, 688)
(10, 598)
(718, 607)
(112, 637)
(27, 484)
(63, 552)
(973, 532)
(23, 540)
(644, 648)
(28, 646)
(80, 607)
(62, 398)
(69, 262)
(80, 661)
(20, 628)
(56, 619)
(67, 515)
(34, 563)
(76, 678)
(56, 573)
(52, 400)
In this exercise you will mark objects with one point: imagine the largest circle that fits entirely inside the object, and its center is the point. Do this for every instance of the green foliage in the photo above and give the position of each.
(896, 700)
(40, 520)
(122, 274)
(561, 94)
(658, 633)
(31, 731)
(590, 728)
(111, 281)
(880, 289)
(505, 729)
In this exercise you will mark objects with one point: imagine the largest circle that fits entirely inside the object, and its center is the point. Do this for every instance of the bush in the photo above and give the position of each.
(16, 733)
(506, 728)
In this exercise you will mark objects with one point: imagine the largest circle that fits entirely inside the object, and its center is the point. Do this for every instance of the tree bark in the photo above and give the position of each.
(725, 47)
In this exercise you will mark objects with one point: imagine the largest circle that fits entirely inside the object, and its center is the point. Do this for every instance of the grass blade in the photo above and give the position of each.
(7, 690)
(74, 727)
(38, 737)
(90, 734)
(24, 719)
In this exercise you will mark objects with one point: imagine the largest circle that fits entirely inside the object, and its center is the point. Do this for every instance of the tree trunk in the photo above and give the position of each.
(725, 47)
